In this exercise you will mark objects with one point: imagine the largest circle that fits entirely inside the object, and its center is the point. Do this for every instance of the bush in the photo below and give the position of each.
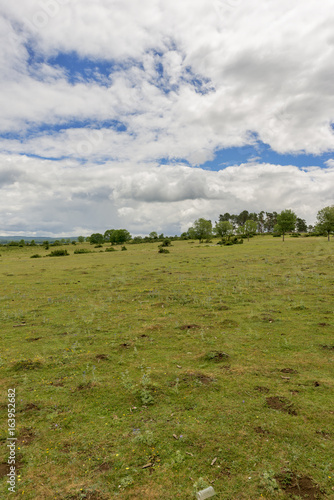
(163, 250)
(98, 246)
(123, 248)
(82, 250)
(230, 240)
(166, 243)
(58, 253)
(36, 256)
(110, 249)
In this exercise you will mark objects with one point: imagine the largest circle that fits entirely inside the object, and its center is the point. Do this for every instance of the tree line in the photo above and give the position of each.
(243, 225)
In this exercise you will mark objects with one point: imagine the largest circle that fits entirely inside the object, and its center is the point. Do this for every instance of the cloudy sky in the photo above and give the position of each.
(147, 115)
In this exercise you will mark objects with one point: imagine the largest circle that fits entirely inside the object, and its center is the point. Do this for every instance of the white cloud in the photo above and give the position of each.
(45, 197)
(185, 79)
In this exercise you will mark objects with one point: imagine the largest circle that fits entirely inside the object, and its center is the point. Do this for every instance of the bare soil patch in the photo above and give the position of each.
(260, 388)
(101, 356)
(259, 430)
(282, 404)
(298, 486)
(288, 370)
(26, 436)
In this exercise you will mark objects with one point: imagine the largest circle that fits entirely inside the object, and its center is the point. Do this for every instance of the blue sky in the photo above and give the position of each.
(150, 116)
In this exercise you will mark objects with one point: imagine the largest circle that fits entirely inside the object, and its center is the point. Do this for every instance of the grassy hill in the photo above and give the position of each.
(141, 375)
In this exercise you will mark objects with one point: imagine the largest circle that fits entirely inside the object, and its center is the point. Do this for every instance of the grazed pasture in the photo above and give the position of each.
(142, 375)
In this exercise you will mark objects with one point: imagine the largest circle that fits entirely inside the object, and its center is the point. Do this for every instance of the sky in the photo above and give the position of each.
(148, 115)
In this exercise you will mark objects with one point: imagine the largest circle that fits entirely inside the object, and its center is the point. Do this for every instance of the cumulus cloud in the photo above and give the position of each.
(109, 90)
(45, 197)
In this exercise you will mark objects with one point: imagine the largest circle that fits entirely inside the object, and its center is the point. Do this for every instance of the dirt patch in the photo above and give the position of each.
(324, 434)
(26, 437)
(101, 356)
(288, 370)
(187, 327)
(82, 387)
(104, 467)
(328, 347)
(33, 339)
(125, 345)
(259, 430)
(30, 406)
(267, 318)
(5, 468)
(282, 404)
(298, 486)
(323, 324)
(216, 356)
(260, 388)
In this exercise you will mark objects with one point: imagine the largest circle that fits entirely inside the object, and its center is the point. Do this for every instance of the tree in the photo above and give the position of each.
(261, 221)
(108, 234)
(250, 228)
(286, 221)
(81, 239)
(301, 225)
(153, 235)
(96, 239)
(223, 228)
(202, 229)
(120, 236)
(242, 217)
(325, 218)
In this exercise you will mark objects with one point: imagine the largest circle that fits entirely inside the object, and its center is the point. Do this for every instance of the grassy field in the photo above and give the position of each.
(141, 375)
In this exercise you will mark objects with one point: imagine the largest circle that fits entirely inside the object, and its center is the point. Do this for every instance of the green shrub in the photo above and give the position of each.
(36, 256)
(123, 248)
(163, 250)
(98, 246)
(82, 250)
(110, 249)
(58, 253)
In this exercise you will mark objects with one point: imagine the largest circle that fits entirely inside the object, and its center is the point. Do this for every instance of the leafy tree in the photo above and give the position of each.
(261, 221)
(301, 225)
(96, 239)
(108, 235)
(223, 228)
(81, 239)
(153, 235)
(242, 217)
(202, 229)
(286, 221)
(120, 236)
(225, 217)
(325, 218)
(250, 228)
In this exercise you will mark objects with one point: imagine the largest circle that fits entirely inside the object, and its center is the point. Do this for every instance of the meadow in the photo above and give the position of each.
(142, 375)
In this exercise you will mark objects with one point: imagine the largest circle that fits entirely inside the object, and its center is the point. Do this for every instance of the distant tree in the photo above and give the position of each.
(191, 233)
(96, 239)
(153, 235)
(108, 235)
(310, 228)
(225, 217)
(270, 221)
(301, 225)
(203, 229)
(242, 217)
(223, 228)
(261, 221)
(81, 239)
(325, 220)
(286, 221)
(120, 236)
(250, 228)
(161, 236)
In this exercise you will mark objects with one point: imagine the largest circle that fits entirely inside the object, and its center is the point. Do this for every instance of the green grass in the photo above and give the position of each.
(125, 359)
